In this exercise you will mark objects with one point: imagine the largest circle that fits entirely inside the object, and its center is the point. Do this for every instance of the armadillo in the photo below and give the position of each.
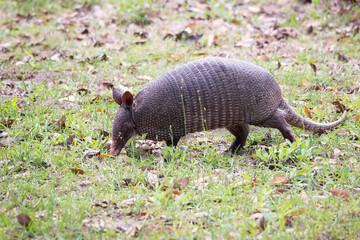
(203, 95)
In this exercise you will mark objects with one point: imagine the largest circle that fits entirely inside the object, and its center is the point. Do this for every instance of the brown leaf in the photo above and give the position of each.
(181, 183)
(82, 91)
(7, 123)
(259, 218)
(175, 57)
(344, 39)
(144, 168)
(140, 41)
(339, 107)
(91, 153)
(95, 99)
(280, 179)
(353, 17)
(307, 112)
(128, 182)
(279, 190)
(304, 197)
(176, 192)
(357, 118)
(313, 66)
(17, 166)
(297, 211)
(61, 122)
(23, 219)
(203, 182)
(128, 202)
(341, 193)
(77, 171)
(264, 58)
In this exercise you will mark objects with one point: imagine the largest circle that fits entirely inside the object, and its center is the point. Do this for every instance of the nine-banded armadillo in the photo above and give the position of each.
(203, 95)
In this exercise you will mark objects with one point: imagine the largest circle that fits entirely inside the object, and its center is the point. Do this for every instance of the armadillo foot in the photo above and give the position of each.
(172, 142)
(241, 132)
(278, 121)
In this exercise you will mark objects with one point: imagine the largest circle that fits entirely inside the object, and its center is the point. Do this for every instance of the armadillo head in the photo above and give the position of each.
(124, 126)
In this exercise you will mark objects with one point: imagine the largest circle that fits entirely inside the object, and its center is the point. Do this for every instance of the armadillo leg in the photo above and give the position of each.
(278, 121)
(172, 142)
(240, 132)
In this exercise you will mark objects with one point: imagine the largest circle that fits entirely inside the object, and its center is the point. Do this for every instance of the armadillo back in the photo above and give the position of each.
(206, 94)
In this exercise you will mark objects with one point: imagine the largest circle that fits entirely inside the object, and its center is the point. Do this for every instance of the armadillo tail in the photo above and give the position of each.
(296, 120)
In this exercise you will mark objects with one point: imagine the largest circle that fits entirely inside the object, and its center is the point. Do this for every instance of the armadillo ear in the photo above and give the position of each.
(127, 99)
(117, 96)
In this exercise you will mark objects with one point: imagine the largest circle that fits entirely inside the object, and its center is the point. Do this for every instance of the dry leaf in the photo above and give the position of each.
(128, 202)
(307, 112)
(91, 153)
(313, 66)
(297, 211)
(176, 192)
(7, 123)
(264, 58)
(280, 179)
(344, 39)
(175, 57)
(145, 78)
(23, 219)
(61, 122)
(279, 190)
(259, 218)
(341, 193)
(304, 197)
(203, 182)
(77, 171)
(340, 108)
(357, 118)
(181, 183)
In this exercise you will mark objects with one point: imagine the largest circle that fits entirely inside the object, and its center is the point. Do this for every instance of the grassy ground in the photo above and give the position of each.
(57, 61)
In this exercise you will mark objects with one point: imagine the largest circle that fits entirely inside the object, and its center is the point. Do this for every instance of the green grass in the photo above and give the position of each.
(50, 50)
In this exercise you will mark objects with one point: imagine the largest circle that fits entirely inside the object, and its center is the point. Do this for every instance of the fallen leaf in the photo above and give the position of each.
(23, 219)
(264, 58)
(77, 171)
(336, 151)
(101, 111)
(279, 190)
(339, 107)
(313, 66)
(152, 179)
(259, 218)
(341, 193)
(91, 153)
(280, 179)
(143, 77)
(343, 39)
(61, 122)
(140, 41)
(203, 182)
(304, 197)
(128, 202)
(353, 17)
(297, 211)
(307, 112)
(357, 118)
(175, 57)
(7, 123)
(17, 166)
(128, 182)
(83, 91)
(144, 168)
(181, 183)
(176, 192)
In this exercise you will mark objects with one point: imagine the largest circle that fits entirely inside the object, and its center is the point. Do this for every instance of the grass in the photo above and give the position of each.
(57, 59)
